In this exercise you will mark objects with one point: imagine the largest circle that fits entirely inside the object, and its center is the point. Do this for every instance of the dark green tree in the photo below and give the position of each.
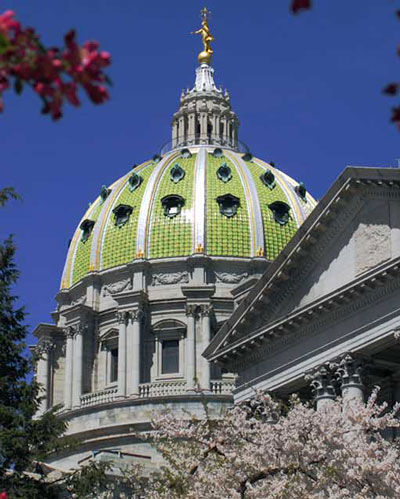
(25, 441)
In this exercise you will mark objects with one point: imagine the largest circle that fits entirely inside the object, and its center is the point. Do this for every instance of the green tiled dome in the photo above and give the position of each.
(177, 205)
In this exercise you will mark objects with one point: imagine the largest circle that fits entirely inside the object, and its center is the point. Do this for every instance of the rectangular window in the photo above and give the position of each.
(170, 356)
(114, 365)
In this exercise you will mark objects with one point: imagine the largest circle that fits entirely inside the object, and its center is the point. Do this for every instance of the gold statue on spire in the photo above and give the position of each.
(206, 55)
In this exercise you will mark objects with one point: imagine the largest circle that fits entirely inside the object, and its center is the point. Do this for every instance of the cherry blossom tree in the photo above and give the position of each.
(55, 74)
(267, 449)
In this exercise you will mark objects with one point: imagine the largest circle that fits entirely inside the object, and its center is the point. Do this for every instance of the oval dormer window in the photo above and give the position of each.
(228, 205)
(156, 158)
(218, 153)
(86, 228)
(135, 182)
(224, 173)
(104, 193)
(185, 153)
(247, 156)
(280, 211)
(172, 205)
(177, 173)
(268, 179)
(122, 213)
(302, 191)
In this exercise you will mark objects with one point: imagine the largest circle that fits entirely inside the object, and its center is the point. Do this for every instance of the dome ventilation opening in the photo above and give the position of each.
(172, 205)
(218, 153)
(268, 179)
(185, 153)
(177, 173)
(104, 193)
(224, 173)
(135, 181)
(302, 191)
(280, 211)
(228, 205)
(247, 157)
(86, 227)
(122, 213)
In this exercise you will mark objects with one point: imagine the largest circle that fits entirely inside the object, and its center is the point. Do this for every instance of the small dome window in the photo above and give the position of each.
(247, 157)
(268, 179)
(302, 191)
(177, 173)
(135, 182)
(228, 205)
(86, 228)
(104, 193)
(224, 173)
(280, 211)
(218, 153)
(157, 158)
(172, 205)
(122, 213)
(185, 153)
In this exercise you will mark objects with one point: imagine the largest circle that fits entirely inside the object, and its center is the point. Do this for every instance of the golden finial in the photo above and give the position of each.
(260, 251)
(140, 254)
(199, 248)
(206, 55)
(91, 267)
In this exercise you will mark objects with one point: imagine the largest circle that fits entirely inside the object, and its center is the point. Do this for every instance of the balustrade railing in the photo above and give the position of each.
(156, 389)
(162, 389)
(100, 397)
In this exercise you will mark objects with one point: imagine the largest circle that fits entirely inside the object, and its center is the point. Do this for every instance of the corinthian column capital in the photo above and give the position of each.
(321, 380)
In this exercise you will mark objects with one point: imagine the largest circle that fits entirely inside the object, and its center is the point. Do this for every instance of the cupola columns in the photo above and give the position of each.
(205, 116)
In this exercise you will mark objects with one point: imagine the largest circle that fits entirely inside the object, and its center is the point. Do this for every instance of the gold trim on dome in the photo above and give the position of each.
(140, 254)
(199, 248)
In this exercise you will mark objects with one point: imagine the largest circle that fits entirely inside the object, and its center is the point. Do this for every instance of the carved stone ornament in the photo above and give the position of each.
(322, 382)
(191, 310)
(206, 310)
(72, 331)
(171, 278)
(79, 301)
(121, 317)
(44, 347)
(230, 278)
(117, 287)
(350, 370)
(134, 315)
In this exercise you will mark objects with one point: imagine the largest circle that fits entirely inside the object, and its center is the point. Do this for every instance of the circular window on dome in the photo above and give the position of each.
(218, 153)
(157, 158)
(224, 173)
(280, 211)
(105, 192)
(177, 173)
(185, 153)
(301, 191)
(172, 205)
(86, 228)
(247, 156)
(135, 182)
(228, 205)
(122, 213)
(268, 179)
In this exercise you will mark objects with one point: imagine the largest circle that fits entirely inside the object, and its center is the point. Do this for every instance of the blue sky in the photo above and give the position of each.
(307, 90)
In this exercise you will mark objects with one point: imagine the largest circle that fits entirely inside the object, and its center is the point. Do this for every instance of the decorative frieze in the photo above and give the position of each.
(163, 279)
(230, 277)
(117, 287)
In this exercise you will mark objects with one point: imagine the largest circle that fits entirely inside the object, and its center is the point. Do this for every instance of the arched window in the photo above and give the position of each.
(169, 336)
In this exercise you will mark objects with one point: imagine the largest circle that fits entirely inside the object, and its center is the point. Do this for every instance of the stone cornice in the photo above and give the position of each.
(312, 319)
(305, 250)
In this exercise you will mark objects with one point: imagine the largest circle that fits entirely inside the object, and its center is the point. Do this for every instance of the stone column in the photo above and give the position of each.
(225, 130)
(322, 383)
(181, 130)
(77, 374)
(43, 373)
(203, 128)
(133, 332)
(174, 133)
(121, 318)
(349, 370)
(217, 129)
(69, 338)
(191, 347)
(205, 367)
(191, 129)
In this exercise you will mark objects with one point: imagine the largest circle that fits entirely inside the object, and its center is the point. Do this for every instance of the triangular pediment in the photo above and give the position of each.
(354, 229)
